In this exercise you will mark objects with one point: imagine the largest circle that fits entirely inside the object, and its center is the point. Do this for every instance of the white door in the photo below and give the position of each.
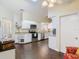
(69, 31)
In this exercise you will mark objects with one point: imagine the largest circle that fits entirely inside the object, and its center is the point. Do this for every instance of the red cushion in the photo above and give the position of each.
(71, 50)
(70, 56)
(65, 56)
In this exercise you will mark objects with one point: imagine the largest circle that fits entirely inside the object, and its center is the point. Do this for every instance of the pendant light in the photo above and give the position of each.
(48, 3)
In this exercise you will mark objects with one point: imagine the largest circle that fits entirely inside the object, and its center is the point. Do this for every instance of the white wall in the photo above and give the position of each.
(54, 40)
(26, 24)
(4, 13)
(5, 20)
(69, 31)
(38, 16)
(60, 10)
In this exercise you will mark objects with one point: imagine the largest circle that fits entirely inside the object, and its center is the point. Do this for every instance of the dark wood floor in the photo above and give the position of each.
(36, 50)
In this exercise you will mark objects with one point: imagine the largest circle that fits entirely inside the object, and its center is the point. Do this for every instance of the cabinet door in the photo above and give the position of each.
(69, 31)
(28, 38)
(52, 43)
(7, 54)
(39, 36)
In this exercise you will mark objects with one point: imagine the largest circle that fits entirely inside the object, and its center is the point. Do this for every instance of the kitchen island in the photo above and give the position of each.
(6, 45)
(8, 54)
(25, 37)
(7, 50)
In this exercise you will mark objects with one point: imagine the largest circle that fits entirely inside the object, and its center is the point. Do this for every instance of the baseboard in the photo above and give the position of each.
(31, 42)
(56, 51)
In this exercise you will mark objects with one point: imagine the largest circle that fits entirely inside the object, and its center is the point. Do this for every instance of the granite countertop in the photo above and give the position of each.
(6, 45)
(22, 33)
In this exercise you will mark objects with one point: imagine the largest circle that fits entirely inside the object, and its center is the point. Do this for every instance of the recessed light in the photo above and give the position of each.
(34, 0)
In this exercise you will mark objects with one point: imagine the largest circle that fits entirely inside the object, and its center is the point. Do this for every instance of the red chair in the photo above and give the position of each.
(71, 53)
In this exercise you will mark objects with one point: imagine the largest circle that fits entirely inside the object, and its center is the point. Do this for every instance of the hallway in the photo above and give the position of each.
(36, 50)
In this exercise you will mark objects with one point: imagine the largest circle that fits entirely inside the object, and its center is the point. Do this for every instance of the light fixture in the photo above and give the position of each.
(53, 1)
(45, 3)
(34, 0)
(48, 3)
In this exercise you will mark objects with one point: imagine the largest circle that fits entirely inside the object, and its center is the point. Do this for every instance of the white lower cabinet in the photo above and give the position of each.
(28, 38)
(52, 43)
(39, 36)
(23, 38)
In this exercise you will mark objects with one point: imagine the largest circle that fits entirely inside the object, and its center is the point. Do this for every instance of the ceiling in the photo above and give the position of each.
(21, 4)
(30, 7)
(25, 4)
(34, 8)
(64, 1)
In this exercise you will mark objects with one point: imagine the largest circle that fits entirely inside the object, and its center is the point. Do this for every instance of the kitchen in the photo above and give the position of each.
(31, 32)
